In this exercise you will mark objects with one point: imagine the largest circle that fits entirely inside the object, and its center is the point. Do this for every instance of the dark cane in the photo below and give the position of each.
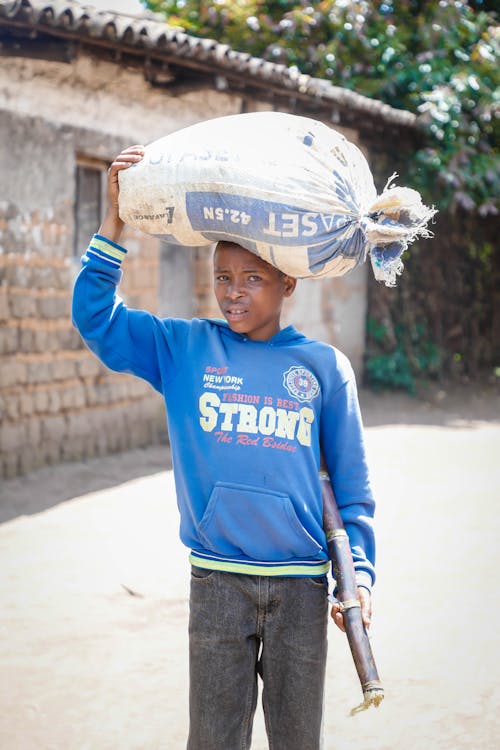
(340, 554)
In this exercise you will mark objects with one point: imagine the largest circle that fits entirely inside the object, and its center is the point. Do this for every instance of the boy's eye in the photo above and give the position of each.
(222, 277)
(254, 277)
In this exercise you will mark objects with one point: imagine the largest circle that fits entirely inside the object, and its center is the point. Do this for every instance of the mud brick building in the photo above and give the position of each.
(76, 86)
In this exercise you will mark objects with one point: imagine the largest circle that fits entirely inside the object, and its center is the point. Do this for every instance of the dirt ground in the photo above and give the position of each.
(94, 587)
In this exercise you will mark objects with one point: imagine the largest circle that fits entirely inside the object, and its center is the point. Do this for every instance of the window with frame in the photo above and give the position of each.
(90, 200)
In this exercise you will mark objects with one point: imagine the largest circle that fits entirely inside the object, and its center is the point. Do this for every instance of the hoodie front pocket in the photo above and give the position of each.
(259, 524)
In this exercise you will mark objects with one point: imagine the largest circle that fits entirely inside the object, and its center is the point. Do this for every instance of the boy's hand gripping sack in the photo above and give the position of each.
(290, 189)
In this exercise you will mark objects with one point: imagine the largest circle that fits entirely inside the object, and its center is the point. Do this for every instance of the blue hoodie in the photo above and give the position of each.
(246, 419)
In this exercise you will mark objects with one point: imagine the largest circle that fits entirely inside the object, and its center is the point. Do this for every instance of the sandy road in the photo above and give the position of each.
(86, 665)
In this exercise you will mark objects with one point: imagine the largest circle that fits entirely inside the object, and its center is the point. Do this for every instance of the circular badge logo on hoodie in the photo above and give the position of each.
(301, 383)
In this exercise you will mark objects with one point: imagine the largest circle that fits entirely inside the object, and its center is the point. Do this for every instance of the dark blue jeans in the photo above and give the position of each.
(241, 626)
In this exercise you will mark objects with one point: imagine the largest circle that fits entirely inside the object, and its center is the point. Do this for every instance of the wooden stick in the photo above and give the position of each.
(339, 551)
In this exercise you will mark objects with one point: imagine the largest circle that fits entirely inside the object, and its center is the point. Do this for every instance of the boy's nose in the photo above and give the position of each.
(234, 291)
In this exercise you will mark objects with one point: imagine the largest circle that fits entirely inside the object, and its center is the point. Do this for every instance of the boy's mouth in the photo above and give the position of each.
(235, 313)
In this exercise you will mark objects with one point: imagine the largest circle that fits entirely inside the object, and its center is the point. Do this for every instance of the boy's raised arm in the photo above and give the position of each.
(124, 339)
(112, 226)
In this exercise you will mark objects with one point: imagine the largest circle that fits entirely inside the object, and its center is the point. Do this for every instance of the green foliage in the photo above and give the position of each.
(439, 59)
(410, 358)
(390, 371)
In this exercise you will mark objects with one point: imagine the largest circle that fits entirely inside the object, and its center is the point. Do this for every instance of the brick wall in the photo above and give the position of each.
(57, 402)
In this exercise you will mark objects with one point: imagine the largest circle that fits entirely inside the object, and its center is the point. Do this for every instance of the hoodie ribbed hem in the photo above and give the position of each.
(302, 568)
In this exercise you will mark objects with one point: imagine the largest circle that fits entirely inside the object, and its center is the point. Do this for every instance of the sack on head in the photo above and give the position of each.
(290, 189)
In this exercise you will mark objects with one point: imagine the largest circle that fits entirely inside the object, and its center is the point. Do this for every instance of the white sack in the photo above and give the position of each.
(290, 189)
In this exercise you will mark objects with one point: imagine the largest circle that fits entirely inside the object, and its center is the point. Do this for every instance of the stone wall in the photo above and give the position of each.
(57, 402)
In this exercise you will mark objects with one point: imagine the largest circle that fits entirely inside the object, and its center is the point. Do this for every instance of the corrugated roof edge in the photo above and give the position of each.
(153, 37)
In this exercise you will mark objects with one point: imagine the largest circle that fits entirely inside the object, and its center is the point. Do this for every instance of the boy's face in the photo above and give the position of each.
(249, 291)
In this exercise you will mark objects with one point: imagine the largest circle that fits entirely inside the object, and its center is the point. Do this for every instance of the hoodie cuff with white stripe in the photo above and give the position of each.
(106, 250)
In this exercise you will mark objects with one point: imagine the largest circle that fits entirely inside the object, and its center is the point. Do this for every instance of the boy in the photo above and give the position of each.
(248, 406)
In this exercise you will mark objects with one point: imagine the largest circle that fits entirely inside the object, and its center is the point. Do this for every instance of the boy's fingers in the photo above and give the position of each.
(364, 597)
(336, 615)
(127, 157)
(137, 149)
(125, 163)
(366, 605)
(131, 152)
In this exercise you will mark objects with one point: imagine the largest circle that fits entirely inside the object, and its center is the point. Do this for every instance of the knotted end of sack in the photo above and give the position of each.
(394, 220)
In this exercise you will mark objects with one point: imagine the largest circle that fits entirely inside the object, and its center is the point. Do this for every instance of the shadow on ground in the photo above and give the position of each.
(52, 485)
(456, 407)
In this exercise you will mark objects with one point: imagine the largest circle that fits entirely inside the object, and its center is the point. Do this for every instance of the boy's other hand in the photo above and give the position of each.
(124, 160)
(112, 225)
(365, 600)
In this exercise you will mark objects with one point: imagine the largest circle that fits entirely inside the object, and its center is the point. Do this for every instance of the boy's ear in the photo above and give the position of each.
(289, 284)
